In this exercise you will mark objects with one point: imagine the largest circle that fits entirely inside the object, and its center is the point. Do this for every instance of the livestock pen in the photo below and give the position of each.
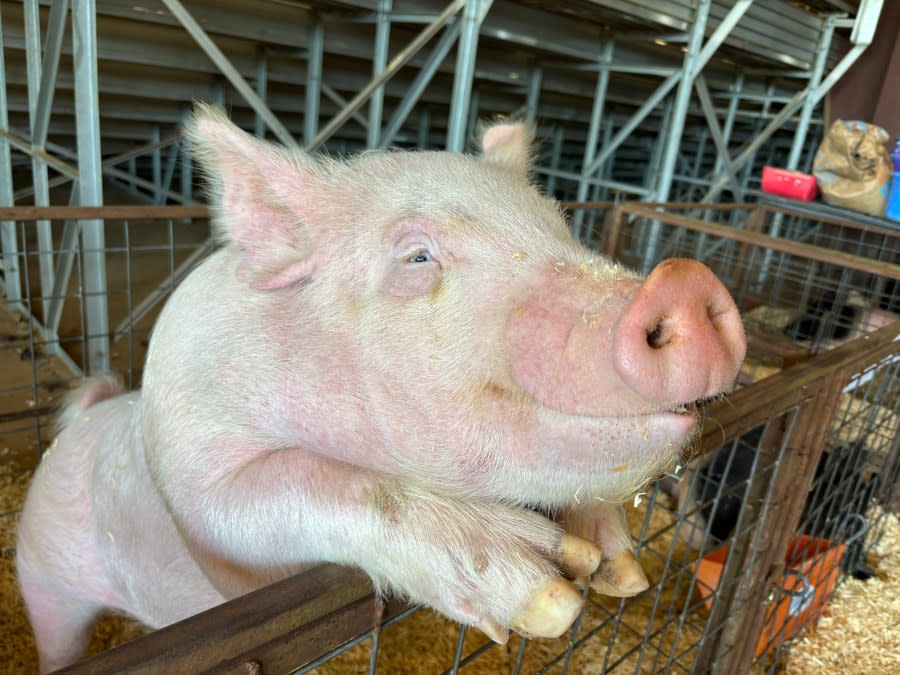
(803, 407)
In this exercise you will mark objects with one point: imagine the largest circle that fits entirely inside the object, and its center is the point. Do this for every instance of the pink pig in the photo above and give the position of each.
(390, 363)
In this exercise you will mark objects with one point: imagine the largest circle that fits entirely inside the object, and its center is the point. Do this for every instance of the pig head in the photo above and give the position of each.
(383, 342)
(399, 362)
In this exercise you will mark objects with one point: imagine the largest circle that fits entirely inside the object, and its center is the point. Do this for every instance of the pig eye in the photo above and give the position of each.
(420, 257)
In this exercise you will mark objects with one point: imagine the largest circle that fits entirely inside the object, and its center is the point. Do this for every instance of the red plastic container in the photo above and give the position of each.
(818, 560)
(793, 184)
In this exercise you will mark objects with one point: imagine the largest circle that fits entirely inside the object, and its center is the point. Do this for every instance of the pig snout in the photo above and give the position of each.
(621, 347)
(681, 338)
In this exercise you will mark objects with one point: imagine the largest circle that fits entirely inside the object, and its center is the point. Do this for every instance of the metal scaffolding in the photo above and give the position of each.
(654, 99)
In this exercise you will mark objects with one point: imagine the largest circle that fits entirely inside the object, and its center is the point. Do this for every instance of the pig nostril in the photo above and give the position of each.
(655, 337)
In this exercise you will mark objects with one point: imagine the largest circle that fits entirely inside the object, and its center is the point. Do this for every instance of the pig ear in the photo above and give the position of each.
(508, 145)
(261, 199)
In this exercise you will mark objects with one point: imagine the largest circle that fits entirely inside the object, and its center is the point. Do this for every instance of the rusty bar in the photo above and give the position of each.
(892, 501)
(615, 229)
(728, 603)
(799, 249)
(775, 535)
(858, 223)
(789, 351)
(30, 213)
(279, 627)
(750, 406)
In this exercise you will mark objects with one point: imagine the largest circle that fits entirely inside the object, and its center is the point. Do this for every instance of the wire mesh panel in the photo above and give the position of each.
(45, 333)
(709, 537)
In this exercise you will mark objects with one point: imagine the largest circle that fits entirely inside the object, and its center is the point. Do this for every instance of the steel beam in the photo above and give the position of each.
(695, 60)
(464, 74)
(426, 73)
(156, 156)
(590, 146)
(690, 69)
(401, 59)
(535, 79)
(90, 184)
(8, 237)
(634, 121)
(56, 28)
(261, 81)
(815, 80)
(556, 148)
(229, 71)
(424, 127)
(39, 175)
(313, 95)
(379, 63)
(719, 137)
(339, 100)
(71, 173)
(166, 185)
(187, 165)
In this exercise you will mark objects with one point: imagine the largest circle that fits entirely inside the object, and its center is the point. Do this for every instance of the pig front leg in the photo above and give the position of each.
(490, 565)
(619, 573)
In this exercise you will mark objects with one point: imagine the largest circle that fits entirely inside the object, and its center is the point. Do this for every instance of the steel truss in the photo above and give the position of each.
(653, 100)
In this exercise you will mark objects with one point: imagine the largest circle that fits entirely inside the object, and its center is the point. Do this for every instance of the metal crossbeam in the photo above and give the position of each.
(229, 71)
(400, 60)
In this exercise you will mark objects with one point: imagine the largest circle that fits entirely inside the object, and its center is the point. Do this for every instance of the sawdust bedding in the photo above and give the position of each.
(860, 633)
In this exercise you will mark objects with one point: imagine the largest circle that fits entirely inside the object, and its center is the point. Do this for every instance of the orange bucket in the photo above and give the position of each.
(811, 571)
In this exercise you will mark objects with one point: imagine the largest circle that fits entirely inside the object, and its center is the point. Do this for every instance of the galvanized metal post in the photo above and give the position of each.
(606, 169)
(313, 93)
(534, 93)
(682, 99)
(228, 70)
(810, 102)
(132, 169)
(261, 85)
(723, 160)
(806, 110)
(187, 164)
(8, 239)
(472, 119)
(634, 121)
(424, 128)
(556, 148)
(401, 59)
(39, 175)
(90, 184)
(171, 161)
(698, 160)
(379, 63)
(426, 73)
(757, 126)
(473, 15)
(590, 146)
(157, 164)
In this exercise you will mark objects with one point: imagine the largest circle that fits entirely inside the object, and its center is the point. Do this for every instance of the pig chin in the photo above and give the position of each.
(606, 458)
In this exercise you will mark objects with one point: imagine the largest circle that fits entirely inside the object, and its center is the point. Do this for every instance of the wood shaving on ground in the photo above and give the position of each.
(860, 634)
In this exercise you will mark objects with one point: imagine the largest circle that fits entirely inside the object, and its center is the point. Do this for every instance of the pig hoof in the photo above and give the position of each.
(494, 631)
(551, 611)
(620, 577)
(578, 557)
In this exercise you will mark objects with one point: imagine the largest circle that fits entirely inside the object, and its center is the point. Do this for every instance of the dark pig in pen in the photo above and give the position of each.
(394, 363)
